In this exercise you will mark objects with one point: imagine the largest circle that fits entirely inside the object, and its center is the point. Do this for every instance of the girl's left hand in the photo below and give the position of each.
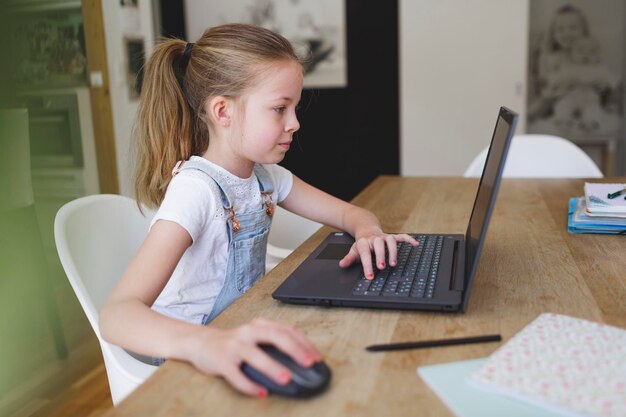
(375, 242)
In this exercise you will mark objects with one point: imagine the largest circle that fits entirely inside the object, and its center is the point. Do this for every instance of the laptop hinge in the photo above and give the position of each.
(455, 284)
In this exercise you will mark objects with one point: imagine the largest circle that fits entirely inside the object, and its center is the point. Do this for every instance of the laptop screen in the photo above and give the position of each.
(487, 190)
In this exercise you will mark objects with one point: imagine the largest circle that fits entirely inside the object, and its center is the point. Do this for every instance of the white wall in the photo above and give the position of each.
(459, 61)
(119, 23)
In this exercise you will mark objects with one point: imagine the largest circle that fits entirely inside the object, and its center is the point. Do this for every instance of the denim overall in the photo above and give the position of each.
(247, 236)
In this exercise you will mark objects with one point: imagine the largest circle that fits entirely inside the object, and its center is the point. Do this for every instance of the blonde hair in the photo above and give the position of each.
(171, 123)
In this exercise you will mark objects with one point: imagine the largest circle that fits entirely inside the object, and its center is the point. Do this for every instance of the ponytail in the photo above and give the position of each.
(165, 130)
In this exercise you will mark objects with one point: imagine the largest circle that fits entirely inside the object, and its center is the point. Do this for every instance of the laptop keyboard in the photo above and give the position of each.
(415, 274)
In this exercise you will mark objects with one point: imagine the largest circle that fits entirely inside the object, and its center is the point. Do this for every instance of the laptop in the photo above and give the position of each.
(435, 275)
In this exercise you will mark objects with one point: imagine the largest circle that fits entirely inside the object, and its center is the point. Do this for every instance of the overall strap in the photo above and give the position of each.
(266, 185)
(198, 166)
(265, 180)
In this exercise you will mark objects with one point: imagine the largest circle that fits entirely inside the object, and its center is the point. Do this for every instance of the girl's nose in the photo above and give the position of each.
(292, 125)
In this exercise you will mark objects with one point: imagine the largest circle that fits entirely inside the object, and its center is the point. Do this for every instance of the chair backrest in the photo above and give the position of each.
(289, 230)
(96, 237)
(540, 156)
(287, 233)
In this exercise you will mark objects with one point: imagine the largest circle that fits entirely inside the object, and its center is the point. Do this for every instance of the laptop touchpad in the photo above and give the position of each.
(334, 251)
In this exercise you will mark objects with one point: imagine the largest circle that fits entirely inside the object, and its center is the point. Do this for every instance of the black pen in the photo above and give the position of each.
(611, 196)
(434, 343)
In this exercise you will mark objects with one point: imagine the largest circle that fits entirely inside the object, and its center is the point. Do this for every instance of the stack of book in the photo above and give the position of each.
(601, 210)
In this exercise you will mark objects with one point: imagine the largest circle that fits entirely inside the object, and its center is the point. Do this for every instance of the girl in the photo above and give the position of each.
(551, 56)
(226, 106)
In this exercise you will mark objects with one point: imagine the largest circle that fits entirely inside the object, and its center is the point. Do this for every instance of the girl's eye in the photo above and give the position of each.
(280, 109)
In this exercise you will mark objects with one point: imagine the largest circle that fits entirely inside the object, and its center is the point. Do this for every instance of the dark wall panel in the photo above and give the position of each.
(349, 135)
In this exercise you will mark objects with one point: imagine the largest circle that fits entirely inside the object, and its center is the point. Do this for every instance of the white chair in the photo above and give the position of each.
(287, 233)
(96, 237)
(541, 156)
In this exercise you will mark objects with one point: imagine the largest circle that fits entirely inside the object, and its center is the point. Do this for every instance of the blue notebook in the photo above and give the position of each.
(448, 381)
(578, 221)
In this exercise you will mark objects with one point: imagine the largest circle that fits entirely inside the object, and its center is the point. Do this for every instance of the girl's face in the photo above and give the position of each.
(567, 29)
(269, 117)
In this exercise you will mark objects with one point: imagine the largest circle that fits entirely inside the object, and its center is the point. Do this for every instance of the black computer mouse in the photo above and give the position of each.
(305, 382)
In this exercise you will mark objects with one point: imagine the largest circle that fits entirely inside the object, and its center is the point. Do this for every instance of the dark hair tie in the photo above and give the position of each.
(184, 60)
(182, 68)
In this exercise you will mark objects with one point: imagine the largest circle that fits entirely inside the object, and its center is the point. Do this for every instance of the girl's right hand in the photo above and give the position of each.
(222, 352)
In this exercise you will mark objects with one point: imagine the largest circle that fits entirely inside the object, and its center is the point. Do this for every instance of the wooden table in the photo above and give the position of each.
(530, 265)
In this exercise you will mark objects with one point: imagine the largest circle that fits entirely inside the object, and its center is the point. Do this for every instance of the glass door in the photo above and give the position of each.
(48, 343)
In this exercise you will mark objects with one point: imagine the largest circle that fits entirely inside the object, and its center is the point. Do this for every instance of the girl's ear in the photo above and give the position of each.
(219, 110)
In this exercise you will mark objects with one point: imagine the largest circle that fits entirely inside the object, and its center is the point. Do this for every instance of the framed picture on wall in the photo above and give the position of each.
(316, 28)
(135, 60)
(130, 21)
(576, 66)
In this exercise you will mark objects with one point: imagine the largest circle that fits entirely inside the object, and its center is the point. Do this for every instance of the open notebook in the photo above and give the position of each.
(598, 203)
(572, 366)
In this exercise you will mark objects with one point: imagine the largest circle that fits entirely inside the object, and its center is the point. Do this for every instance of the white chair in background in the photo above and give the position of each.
(96, 237)
(540, 156)
(287, 233)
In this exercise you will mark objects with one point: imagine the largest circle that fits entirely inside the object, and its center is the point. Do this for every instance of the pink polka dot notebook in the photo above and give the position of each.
(572, 366)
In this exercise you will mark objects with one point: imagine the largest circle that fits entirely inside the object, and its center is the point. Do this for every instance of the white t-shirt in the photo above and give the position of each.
(196, 205)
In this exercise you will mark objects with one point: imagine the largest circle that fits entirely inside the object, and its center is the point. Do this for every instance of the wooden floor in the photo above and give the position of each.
(49, 386)
(66, 388)
(87, 397)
